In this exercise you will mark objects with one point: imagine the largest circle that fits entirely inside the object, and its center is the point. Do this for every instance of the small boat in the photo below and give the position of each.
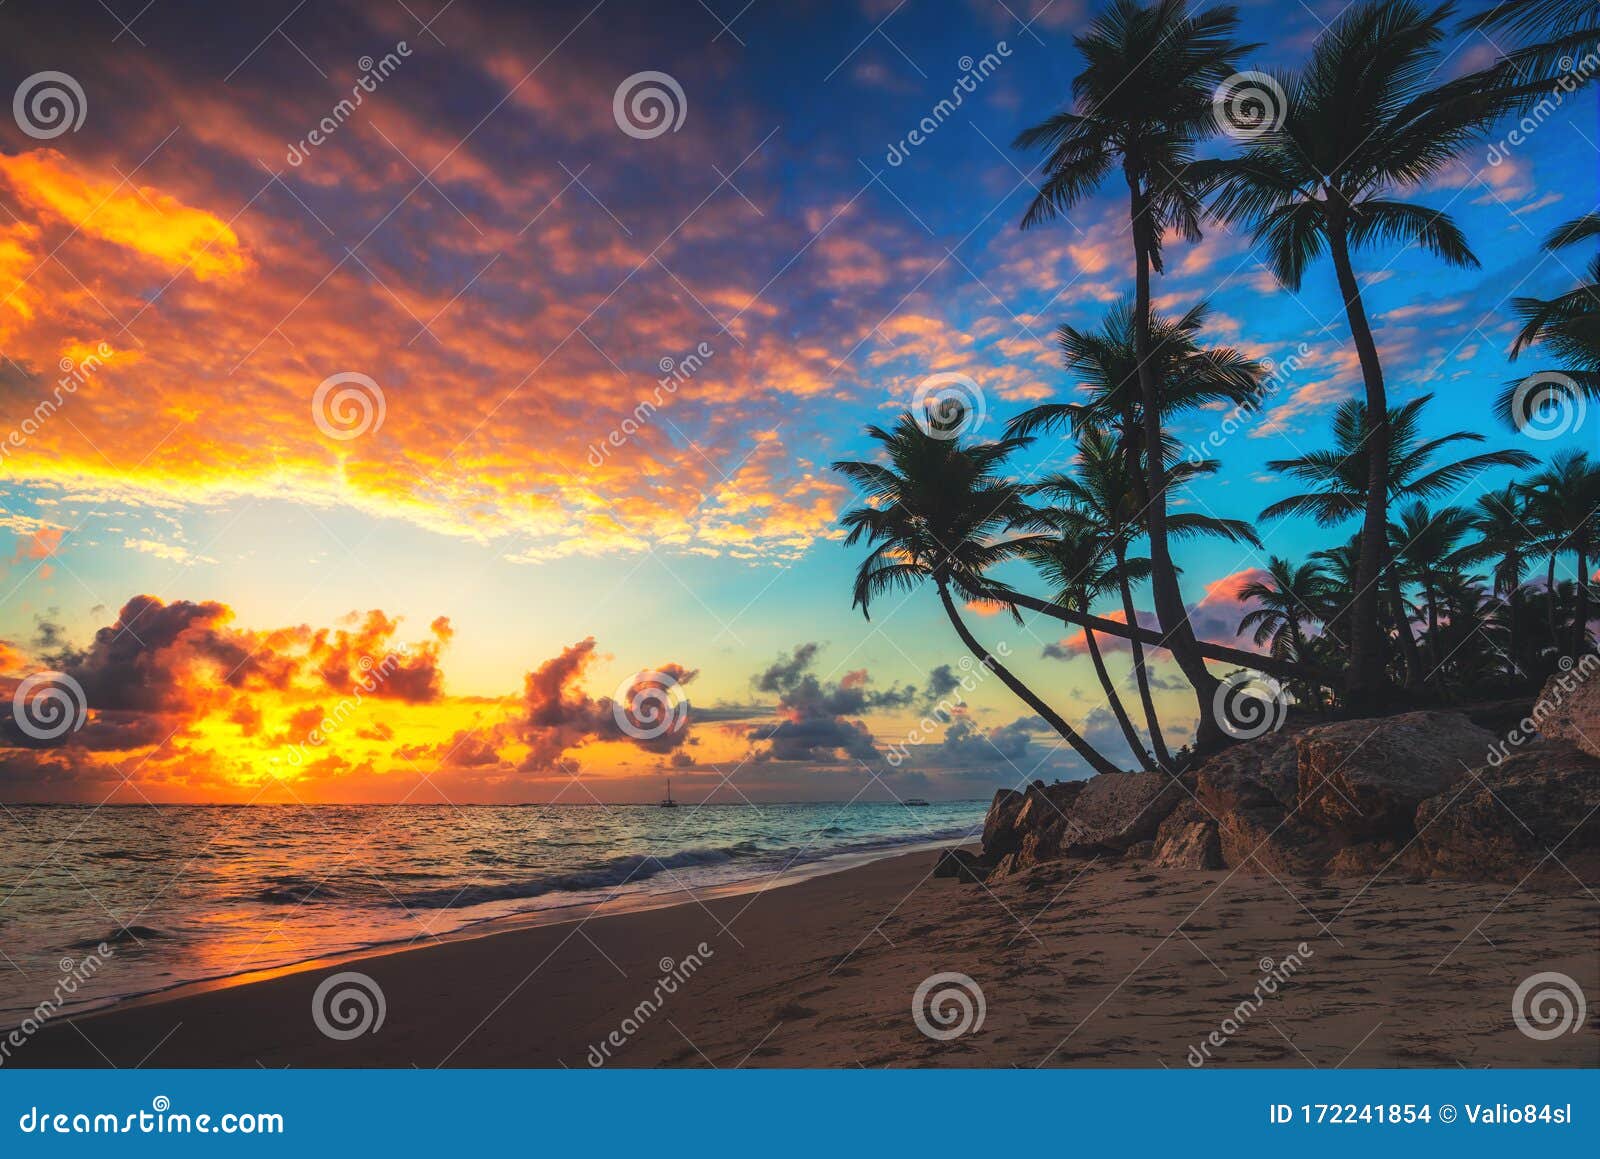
(669, 803)
(915, 801)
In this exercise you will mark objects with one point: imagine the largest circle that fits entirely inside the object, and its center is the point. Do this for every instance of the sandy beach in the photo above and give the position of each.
(1078, 964)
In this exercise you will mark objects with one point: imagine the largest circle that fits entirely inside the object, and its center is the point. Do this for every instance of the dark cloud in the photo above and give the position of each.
(815, 717)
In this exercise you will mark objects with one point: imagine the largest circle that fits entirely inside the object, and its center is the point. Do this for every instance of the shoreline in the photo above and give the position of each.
(1073, 964)
(491, 927)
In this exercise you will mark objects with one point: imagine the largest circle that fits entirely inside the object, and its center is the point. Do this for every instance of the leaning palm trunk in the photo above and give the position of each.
(1135, 745)
(1082, 747)
(1364, 682)
(1168, 596)
(1141, 676)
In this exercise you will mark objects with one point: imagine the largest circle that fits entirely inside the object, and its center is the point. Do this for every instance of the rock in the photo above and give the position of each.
(1005, 867)
(1141, 850)
(1363, 779)
(1191, 846)
(961, 864)
(1568, 709)
(1504, 822)
(1263, 773)
(1115, 810)
(1000, 832)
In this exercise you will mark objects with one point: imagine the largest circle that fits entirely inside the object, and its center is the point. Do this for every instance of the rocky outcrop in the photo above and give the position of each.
(1116, 810)
(1422, 792)
(1568, 709)
(1365, 778)
(1187, 839)
(1540, 806)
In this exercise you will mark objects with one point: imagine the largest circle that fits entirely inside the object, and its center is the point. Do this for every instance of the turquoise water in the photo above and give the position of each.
(185, 893)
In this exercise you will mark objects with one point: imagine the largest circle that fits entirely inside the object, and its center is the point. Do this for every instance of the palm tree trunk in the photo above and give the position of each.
(1511, 634)
(1364, 686)
(1408, 639)
(1151, 721)
(1135, 745)
(1082, 747)
(1580, 627)
(1168, 596)
(1550, 604)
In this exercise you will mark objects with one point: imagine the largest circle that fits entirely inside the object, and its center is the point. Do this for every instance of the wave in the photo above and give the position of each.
(628, 870)
(613, 872)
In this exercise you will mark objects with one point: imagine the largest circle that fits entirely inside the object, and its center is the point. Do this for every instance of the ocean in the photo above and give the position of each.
(182, 894)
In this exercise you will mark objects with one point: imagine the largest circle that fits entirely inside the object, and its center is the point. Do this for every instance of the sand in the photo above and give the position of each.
(1086, 965)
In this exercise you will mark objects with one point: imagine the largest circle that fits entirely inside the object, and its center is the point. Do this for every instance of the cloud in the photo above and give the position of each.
(816, 719)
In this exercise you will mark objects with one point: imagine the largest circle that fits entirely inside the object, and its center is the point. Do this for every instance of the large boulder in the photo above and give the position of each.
(1537, 808)
(1116, 810)
(1251, 789)
(1568, 709)
(1363, 779)
(1000, 832)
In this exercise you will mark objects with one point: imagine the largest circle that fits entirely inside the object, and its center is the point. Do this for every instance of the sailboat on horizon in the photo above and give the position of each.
(668, 802)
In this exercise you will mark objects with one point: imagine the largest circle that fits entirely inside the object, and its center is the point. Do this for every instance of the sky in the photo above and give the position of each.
(338, 492)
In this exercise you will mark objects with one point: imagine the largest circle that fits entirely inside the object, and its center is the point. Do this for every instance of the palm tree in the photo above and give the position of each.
(1106, 363)
(1568, 325)
(1142, 103)
(1558, 28)
(1075, 565)
(935, 512)
(1360, 122)
(1289, 597)
(1564, 499)
(1101, 494)
(1430, 553)
(1338, 480)
(1504, 522)
(1339, 477)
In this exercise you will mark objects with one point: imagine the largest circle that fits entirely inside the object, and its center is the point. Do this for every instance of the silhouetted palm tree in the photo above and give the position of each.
(1079, 570)
(1101, 491)
(1141, 103)
(1559, 30)
(1362, 120)
(1289, 598)
(1504, 522)
(1339, 476)
(1568, 326)
(1430, 552)
(1564, 499)
(935, 512)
